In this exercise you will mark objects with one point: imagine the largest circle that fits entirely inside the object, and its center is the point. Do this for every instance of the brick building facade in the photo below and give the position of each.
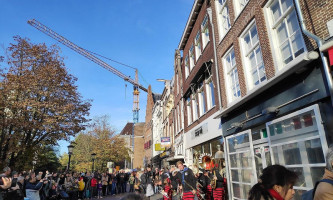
(200, 84)
(275, 91)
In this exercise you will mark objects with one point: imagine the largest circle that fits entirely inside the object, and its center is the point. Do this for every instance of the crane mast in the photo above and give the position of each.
(87, 54)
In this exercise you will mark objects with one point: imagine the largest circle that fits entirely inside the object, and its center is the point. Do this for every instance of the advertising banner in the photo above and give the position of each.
(165, 142)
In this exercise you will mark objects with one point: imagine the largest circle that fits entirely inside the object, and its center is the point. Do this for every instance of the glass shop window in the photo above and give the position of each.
(242, 172)
(298, 142)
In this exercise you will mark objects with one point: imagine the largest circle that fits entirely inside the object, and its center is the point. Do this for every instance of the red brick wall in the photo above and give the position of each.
(206, 55)
(316, 14)
(147, 127)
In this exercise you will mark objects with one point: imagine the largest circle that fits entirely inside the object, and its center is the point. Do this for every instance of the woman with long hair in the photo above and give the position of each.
(276, 182)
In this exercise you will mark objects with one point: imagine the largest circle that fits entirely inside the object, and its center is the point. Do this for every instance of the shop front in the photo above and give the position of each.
(289, 125)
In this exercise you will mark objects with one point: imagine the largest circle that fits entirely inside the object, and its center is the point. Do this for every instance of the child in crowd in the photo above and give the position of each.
(99, 189)
(131, 182)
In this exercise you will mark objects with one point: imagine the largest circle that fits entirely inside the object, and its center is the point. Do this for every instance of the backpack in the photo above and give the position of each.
(309, 195)
(81, 185)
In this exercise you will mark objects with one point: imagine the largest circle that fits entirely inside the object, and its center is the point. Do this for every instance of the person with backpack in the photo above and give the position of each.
(324, 188)
(276, 182)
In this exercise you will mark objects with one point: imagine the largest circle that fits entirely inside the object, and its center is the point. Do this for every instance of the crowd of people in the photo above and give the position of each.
(174, 182)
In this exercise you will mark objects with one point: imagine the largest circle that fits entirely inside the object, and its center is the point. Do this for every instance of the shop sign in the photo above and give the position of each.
(165, 142)
(109, 165)
(158, 147)
(164, 154)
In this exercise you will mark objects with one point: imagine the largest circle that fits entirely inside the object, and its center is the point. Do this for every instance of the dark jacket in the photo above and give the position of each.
(188, 179)
(220, 180)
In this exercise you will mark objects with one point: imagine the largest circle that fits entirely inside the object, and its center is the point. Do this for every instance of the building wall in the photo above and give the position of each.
(206, 55)
(138, 145)
(148, 126)
(255, 10)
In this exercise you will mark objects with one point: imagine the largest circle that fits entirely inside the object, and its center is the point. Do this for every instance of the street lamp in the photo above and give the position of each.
(93, 156)
(70, 152)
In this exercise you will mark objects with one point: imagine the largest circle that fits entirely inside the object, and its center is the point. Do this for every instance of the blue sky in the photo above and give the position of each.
(140, 33)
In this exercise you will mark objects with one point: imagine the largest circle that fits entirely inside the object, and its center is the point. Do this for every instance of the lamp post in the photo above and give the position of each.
(93, 156)
(70, 152)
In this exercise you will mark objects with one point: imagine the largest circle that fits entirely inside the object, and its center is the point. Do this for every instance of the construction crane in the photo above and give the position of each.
(87, 54)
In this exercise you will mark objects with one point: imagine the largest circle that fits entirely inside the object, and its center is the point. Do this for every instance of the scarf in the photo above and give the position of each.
(183, 175)
(275, 195)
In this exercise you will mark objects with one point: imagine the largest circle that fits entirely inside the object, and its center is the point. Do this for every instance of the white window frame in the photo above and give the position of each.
(195, 114)
(205, 32)
(239, 6)
(202, 100)
(221, 6)
(227, 70)
(191, 57)
(189, 110)
(210, 95)
(229, 168)
(321, 136)
(187, 66)
(280, 67)
(198, 46)
(246, 60)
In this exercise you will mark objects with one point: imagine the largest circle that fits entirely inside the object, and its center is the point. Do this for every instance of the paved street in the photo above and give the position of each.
(119, 196)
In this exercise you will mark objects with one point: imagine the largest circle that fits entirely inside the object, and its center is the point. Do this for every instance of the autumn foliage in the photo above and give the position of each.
(39, 102)
(99, 138)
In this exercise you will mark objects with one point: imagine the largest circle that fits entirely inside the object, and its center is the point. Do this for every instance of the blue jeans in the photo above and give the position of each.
(114, 188)
(124, 187)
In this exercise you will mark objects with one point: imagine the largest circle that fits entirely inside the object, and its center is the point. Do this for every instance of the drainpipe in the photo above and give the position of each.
(319, 43)
(209, 11)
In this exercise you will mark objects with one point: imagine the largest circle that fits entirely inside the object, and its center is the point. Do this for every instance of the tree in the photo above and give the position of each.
(101, 139)
(47, 160)
(39, 102)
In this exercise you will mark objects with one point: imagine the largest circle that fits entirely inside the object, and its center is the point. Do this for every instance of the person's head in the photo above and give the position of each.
(156, 169)
(99, 181)
(7, 171)
(274, 177)
(20, 179)
(148, 168)
(329, 159)
(180, 165)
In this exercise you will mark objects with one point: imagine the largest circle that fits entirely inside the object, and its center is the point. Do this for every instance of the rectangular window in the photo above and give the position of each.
(223, 17)
(298, 143)
(191, 57)
(287, 30)
(253, 58)
(239, 5)
(187, 67)
(242, 171)
(210, 94)
(197, 42)
(189, 110)
(205, 32)
(233, 88)
(202, 100)
(194, 107)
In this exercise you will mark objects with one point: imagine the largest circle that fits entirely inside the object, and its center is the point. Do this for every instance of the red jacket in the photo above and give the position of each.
(93, 182)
